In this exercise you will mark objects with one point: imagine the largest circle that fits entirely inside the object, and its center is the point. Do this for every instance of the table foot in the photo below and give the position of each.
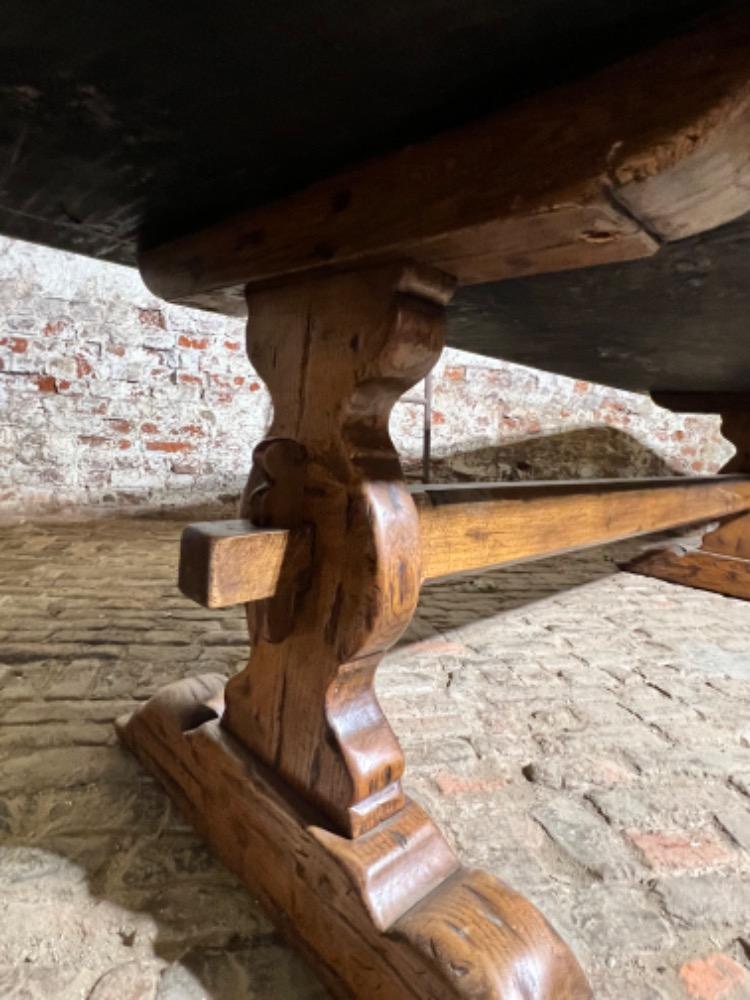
(390, 914)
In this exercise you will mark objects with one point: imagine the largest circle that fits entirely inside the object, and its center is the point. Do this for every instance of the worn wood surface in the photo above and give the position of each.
(336, 353)
(464, 528)
(731, 538)
(230, 562)
(552, 183)
(291, 771)
(674, 321)
(476, 528)
(697, 568)
(125, 125)
(391, 915)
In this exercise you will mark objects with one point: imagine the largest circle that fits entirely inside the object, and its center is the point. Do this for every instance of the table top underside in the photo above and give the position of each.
(124, 125)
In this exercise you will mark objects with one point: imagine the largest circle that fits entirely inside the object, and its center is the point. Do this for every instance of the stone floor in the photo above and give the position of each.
(583, 733)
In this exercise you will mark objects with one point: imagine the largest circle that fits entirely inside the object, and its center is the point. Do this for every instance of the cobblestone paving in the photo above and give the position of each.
(582, 733)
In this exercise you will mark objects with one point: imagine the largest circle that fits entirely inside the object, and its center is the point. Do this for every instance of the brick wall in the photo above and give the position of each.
(112, 399)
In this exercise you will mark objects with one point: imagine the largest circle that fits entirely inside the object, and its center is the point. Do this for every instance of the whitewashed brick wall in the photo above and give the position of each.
(111, 399)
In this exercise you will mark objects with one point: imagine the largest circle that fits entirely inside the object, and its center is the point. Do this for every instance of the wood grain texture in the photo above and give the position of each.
(696, 568)
(391, 915)
(731, 538)
(476, 528)
(673, 321)
(552, 183)
(464, 528)
(336, 353)
(230, 562)
(246, 102)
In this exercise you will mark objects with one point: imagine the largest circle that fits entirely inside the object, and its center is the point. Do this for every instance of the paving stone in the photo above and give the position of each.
(560, 720)
(617, 923)
(585, 837)
(129, 981)
(735, 820)
(651, 806)
(706, 901)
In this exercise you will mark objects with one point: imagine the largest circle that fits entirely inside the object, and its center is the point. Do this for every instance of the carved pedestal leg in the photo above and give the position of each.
(291, 771)
(721, 562)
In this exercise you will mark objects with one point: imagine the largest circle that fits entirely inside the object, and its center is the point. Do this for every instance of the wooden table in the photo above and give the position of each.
(545, 139)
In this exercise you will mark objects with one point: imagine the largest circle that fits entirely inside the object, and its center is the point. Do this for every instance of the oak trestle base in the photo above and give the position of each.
(290, 769)
(389, 915)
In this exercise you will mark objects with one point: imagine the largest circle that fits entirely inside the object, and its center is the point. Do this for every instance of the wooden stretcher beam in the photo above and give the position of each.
(471, 527)
(653, 148)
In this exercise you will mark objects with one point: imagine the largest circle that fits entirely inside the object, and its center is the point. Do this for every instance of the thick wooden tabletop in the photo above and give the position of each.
(140, 121)
(126, 127)
(677, 320)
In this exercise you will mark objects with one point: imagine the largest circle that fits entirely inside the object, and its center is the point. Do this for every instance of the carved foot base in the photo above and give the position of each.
(389, 915)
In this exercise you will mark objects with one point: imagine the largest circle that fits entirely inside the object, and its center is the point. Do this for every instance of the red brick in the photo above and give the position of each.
(456, 784)
(149, 428)
(153, 318)
(667, 850)
(609, 772)
(46, 383)
(168, 446)
(239, 379)
(190, 379)
(121, 426)
(193, 430)
(94, 440)
(18, 345)
(715, 977)
(232, 345)
(54, 326)
(439, 646)
(124, 444)
(254, 386)
(455, 373)
(195, 343)
(117, 349)
(438, 417)
(83, 368)
(581, 387)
